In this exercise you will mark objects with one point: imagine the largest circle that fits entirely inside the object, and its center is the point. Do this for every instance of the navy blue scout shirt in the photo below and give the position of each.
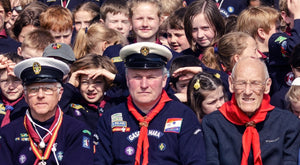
(119, 131)
(280, 47)
(72, 146)
(278, 134)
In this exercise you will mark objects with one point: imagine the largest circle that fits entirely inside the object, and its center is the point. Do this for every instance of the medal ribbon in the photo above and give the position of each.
(144, 122)
(35, 149)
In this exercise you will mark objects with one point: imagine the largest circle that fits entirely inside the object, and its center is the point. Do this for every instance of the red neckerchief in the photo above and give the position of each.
(263, 56)
(231, 112)
(3, 33)
(34, 138)
(101, 106)
(144, 122)
(288, 31)
(9, 106)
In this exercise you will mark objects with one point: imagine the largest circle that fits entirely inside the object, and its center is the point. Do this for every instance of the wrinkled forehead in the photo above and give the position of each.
(249, 72)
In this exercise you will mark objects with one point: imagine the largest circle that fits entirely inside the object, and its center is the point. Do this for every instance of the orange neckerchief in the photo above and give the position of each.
(231, 112)
(144, 122)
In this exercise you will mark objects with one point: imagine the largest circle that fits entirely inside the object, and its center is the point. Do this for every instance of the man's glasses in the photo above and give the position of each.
(254, 85)
(47, 89)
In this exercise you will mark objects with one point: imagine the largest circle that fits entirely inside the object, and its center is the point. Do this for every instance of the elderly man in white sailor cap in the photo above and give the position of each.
(44, 135)
(149, 128)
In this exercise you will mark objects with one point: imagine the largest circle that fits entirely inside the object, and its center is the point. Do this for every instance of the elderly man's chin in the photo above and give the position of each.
(249, 110)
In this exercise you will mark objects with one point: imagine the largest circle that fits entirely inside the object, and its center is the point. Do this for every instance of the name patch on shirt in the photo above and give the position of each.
(173, 125)
(155, 133)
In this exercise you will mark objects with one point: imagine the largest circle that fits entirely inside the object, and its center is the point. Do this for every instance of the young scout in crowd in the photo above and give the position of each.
(175, 31)
(248, 129)
(115, 15)
(34, 43)
(7, 44)
(150, 128)
(45, 135)
(59, 21)
(282, 44)
(12, 102)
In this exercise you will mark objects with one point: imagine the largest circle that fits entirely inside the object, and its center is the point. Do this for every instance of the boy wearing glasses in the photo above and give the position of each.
(248, 129)
(53, 138)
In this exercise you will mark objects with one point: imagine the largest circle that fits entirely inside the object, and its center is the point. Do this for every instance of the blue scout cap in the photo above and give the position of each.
(41, 69)
(60, 51)
(145, 55)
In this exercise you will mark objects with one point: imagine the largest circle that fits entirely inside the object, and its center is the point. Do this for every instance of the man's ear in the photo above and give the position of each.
(230, 81)
(268, 86)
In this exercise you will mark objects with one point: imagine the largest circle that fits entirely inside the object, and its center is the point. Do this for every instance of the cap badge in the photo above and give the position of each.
(36, 68)
(144, 50)
(56, 46)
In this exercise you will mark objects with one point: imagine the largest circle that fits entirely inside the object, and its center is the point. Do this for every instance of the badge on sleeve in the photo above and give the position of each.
(86, 142)
(173, 125)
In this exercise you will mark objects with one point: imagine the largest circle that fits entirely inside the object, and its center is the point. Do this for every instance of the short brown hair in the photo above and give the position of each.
(253, 18)
(38, 39)
(114, 7)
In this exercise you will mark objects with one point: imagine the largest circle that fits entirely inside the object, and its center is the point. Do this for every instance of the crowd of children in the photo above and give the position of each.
(206, 38)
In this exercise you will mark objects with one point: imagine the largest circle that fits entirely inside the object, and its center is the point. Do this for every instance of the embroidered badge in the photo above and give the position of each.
(22, 159)
(60, 155)
(121, 129)
(77, 112)
(162, 146)
(173, 125)
(144, 51)
(87, 132)
(155, 133)
(86, 142)
(283, 45)
(36, 67)
(24, 137)
(116, 117)
(289, 77)
(116, 59)
(118, 124)
(56, 46)
(76, 106)
(2, 109)
(129, 151)
(230, 9)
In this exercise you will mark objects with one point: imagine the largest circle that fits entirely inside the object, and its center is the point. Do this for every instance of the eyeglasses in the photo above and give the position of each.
(254, 85)
(18, 9)
(47, 89)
